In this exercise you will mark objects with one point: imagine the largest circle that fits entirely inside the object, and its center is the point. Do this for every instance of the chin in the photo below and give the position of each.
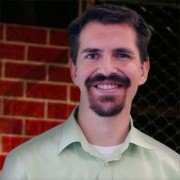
(107, 110)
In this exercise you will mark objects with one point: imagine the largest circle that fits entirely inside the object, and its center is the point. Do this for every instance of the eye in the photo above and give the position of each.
(122, 56)
(92, 56)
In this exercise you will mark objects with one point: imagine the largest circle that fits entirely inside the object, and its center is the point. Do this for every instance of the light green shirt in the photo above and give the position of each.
(63, 153)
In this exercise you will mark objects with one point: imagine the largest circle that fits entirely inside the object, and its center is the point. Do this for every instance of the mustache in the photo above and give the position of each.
(121, 80)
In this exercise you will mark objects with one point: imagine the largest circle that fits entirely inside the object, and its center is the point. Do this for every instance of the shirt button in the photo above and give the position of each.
(106, 164)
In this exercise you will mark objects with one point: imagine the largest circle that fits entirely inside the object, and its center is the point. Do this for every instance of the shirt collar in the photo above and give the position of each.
(138, 138)
(72, 133)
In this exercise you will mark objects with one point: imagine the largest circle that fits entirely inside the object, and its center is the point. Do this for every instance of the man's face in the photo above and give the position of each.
(108, 69)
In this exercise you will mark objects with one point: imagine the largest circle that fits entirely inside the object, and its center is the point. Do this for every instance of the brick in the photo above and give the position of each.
(26, 34)
(1, 31)
(2, 160)
(41, 126)
(11, 88)
(1, 68)
(25, 71)
(23, 108)
(10, 142)
(74, 93)
(1, 105)
(11, 126)
(47, 54)
(12, 51)
(59, 38)
(59, 111)
(59, 74)
(47, 91)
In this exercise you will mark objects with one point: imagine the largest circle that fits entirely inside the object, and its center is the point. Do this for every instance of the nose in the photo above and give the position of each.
(107, 66)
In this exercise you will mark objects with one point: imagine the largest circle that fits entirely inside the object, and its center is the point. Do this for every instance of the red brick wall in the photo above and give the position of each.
(36, 91)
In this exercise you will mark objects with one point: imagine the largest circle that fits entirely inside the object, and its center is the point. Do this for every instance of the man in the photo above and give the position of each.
(109, 60)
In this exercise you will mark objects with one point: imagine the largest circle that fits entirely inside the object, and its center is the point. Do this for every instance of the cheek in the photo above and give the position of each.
(86, 69)
(134, 75)
(82, 75)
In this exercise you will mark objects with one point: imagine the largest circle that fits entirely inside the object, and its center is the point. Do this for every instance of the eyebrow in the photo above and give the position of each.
(117, 50)
(91, 50)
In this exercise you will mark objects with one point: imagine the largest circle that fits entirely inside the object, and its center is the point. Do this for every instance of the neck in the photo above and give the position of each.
(103, 131)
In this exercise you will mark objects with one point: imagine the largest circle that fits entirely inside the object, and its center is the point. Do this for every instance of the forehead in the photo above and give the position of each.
(94, 34)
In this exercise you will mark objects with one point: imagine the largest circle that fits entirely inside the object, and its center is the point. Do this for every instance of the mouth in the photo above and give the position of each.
(108, 84)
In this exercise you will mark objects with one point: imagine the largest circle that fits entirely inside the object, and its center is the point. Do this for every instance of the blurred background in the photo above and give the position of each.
(36, 91)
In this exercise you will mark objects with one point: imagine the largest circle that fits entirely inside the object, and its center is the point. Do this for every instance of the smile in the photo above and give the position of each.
(109, 83)
(106, 86)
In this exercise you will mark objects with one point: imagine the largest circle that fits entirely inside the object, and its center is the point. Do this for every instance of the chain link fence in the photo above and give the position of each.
(158, 101)
(156, 106)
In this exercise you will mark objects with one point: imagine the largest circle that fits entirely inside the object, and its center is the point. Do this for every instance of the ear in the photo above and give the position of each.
(145, 66)
(73, 71)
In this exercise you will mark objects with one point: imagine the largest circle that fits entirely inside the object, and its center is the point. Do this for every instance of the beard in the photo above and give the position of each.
(107, 105)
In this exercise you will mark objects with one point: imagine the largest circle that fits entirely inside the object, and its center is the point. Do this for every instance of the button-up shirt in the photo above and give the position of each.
(63, 153)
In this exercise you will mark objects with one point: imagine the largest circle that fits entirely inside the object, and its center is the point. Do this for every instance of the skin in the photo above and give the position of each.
(107, 49)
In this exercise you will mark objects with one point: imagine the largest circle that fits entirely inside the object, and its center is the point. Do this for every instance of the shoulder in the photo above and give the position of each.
(25, 157)
(41, 144)
(155, 152)
(157, 146)
(47, 142)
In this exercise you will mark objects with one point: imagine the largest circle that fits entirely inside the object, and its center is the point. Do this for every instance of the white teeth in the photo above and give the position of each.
(106, 86)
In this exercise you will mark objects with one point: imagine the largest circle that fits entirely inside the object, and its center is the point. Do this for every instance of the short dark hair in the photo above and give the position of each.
(110, 14)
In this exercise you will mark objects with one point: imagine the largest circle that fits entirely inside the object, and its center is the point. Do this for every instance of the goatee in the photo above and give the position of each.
(107, 105)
